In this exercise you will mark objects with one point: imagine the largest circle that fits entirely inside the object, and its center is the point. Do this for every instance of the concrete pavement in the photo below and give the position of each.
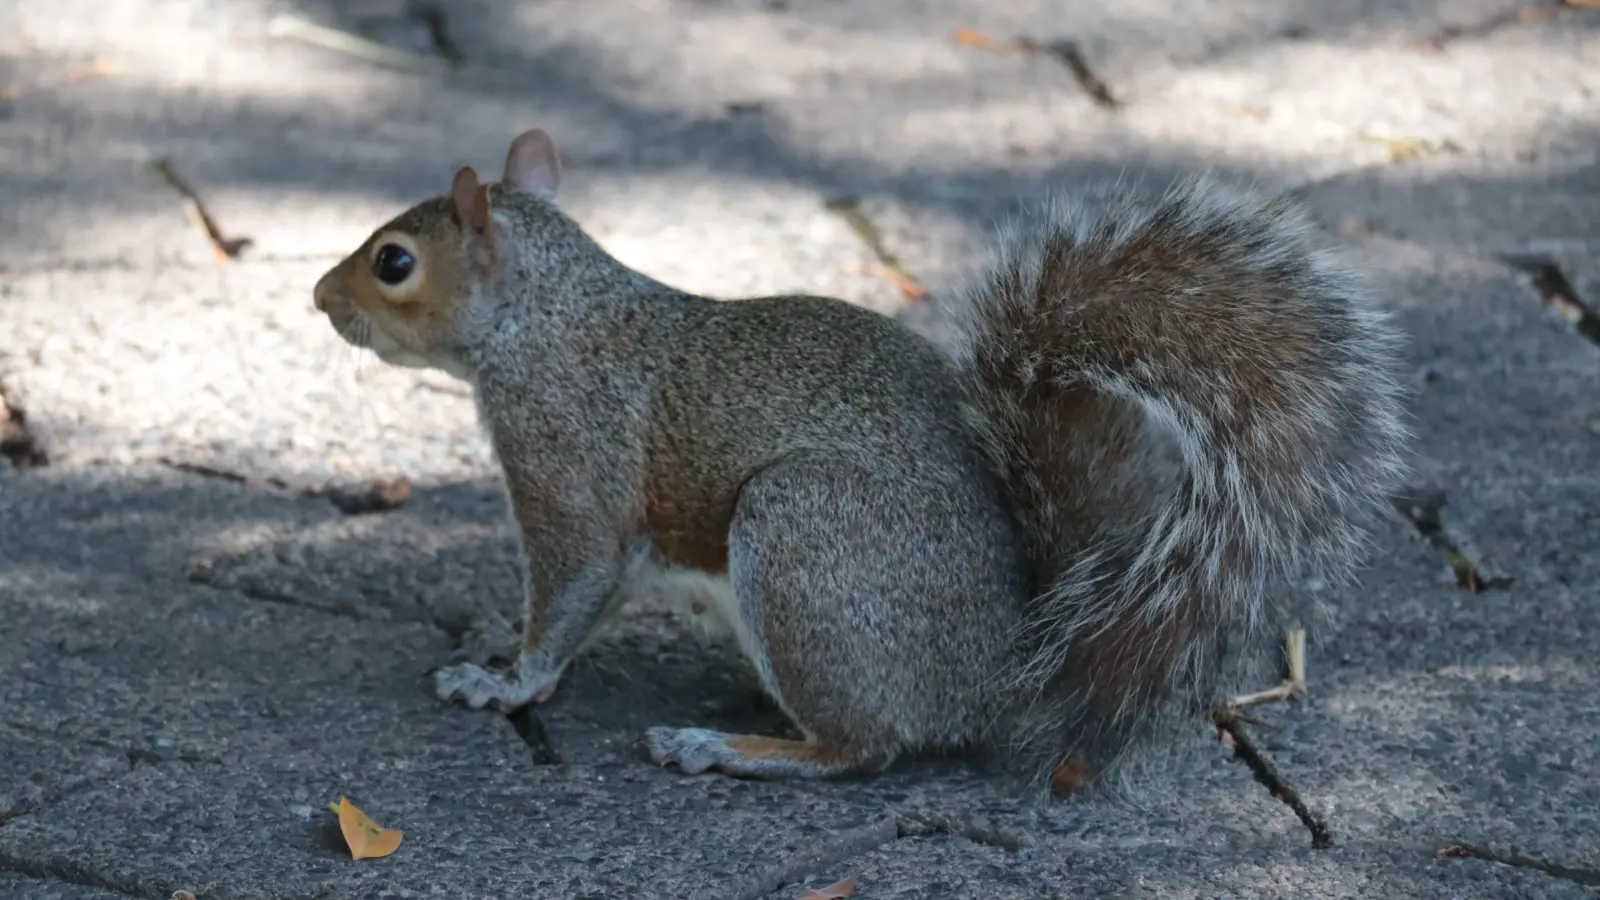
(199, 651)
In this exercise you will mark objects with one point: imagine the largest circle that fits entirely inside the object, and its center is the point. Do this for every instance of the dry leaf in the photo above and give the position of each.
(908, 285)
(833, 891)
(367, 839)
(1356, 225)
(1066, 779)
(100, 66)
(983, 42)
(1401, 149)
(1248, 112)
(377, 495)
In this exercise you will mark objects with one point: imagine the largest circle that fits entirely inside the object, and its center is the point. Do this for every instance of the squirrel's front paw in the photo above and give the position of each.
(477, 687)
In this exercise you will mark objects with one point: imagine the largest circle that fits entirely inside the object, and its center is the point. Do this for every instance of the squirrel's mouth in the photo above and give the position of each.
(354, 326)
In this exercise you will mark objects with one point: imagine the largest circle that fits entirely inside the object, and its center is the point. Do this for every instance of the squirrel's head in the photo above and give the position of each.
(409, 290)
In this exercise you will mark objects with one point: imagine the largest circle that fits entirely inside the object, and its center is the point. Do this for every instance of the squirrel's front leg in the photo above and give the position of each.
(568, 585)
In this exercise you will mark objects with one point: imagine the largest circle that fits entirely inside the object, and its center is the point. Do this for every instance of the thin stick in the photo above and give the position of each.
(798, 866)
(1245, 750)
(918, 824)
(224, 247)
(1462, 850)
(848, 208)
(1294, 688)
(353, 45)
(1069, 54)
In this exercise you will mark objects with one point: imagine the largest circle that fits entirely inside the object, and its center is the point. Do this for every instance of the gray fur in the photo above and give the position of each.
(920, 550)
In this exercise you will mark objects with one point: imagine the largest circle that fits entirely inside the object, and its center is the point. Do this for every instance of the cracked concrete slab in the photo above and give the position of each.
(37, 769)
(199, 651)
(15, 886)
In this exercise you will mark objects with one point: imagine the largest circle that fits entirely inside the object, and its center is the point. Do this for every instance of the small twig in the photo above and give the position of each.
(358, 498)
(1067, 52)
(921, 824)
(1462, 850)
(17, 442)
(433, 18)
(354, 45)
(1232, 724)
(1557, 292)
(1520, 14)
(1072, 57)
(531, 729)
(1424, 510)
(794, 868)
(1293, 688)
(376, 495)
(849, 209)
(209, 471)
(224, 247)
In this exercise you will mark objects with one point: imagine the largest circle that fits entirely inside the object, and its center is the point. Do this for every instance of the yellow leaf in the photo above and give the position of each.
(1401, 149)
(982, 41)
(99, 66)
(1248, 112)
(835, 891)
(367, 839)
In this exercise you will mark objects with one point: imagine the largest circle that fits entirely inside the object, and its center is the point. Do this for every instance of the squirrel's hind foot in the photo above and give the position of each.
(696, 750)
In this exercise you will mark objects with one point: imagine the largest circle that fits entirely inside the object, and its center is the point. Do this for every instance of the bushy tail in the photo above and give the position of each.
(1186, 402)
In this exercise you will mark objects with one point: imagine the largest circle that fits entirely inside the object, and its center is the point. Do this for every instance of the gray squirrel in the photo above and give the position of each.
(1038, 538)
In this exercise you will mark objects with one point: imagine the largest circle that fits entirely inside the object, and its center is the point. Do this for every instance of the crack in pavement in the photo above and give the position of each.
(203, 573)
(80, 875)
(134, 753)
(863, 839)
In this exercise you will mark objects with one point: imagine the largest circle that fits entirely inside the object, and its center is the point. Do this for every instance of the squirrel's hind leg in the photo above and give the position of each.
(867, 604)
(695, 750)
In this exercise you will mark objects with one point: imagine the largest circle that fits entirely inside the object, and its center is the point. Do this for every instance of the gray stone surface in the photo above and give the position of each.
(21, 887)
(193, 665)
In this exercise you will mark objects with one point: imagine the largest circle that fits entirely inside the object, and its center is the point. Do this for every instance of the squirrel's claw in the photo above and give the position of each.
(478, 687)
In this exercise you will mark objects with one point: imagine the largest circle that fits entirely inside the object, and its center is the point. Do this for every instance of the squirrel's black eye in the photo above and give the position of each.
(393, 264)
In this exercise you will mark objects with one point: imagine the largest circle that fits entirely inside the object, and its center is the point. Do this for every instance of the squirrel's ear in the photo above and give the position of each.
(471, 201)
(532, 164)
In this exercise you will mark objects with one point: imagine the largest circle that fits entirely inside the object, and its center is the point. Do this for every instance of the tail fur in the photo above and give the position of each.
(1186, 401)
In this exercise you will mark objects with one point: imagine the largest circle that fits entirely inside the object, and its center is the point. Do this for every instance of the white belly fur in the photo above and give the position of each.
(708, 600)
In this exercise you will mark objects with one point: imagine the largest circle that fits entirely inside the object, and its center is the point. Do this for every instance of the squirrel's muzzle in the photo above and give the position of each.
(332, 302)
